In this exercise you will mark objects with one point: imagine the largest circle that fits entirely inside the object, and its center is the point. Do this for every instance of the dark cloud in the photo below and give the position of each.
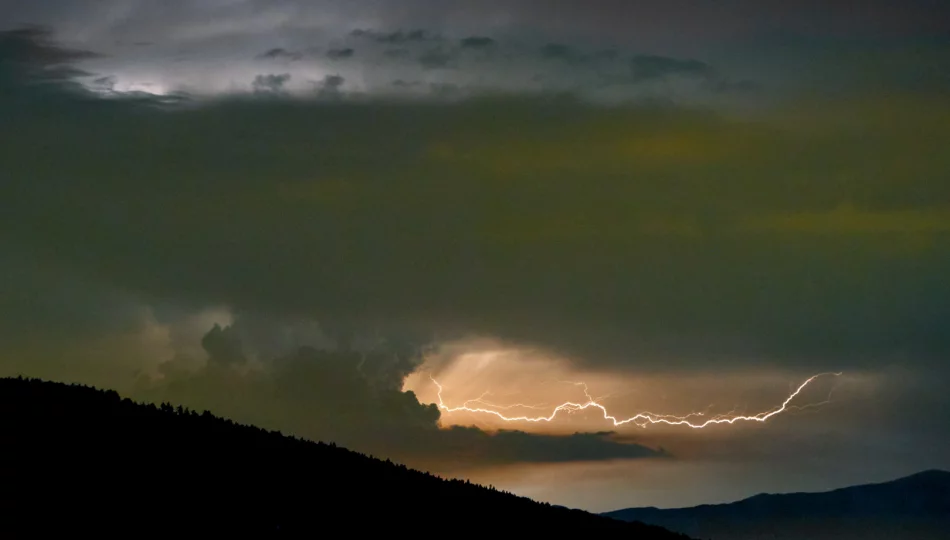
(59, 326)
(647, 67)
(396, 38)
(270, 83)
(340, 54)
(476, 42)
(333, 81)
(33, 46)
(445, 90)
(106, 83)
(354, 398)
(29, 55)
(558, 51)
(437, 59)
(744, 87)
(606, 54)
(399, 83)
(223, 347)
(665, 235)
(280, 53)
(330, 87)
(517, 446)
(397, 53)
(40, 301)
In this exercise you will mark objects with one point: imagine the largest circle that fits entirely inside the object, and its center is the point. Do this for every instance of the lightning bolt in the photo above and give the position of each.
(642, 419)
(481, 399)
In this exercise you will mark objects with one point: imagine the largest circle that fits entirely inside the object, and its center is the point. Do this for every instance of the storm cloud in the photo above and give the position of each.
(354, 398)
(654, 229)
(767, 196)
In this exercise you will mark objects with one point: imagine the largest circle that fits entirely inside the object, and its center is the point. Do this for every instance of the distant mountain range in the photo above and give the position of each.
(77, 459)
(916, 507)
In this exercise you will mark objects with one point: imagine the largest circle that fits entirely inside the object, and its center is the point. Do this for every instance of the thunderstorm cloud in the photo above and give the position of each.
(269, 209)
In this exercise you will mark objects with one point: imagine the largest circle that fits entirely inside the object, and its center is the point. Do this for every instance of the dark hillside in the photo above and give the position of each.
(914, 507)
(79, 458)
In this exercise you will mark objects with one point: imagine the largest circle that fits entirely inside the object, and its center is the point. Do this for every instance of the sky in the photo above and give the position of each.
(310, 215)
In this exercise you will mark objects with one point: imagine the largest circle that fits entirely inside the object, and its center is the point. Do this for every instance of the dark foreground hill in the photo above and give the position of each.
(78, 458)
(916, 507)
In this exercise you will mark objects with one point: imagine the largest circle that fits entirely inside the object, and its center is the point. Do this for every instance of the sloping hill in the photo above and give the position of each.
(915, 507)
(78, 458)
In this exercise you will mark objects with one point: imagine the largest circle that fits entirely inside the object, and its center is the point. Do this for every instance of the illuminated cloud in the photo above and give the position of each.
(353, 397)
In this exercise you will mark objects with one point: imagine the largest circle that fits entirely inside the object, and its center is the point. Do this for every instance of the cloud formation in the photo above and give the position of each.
(646, 67)
(371, 58)
(655, 230)
(476, 47)
(354, 398)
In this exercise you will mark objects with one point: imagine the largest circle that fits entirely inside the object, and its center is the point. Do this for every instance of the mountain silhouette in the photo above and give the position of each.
(916, 507)
(80, 459)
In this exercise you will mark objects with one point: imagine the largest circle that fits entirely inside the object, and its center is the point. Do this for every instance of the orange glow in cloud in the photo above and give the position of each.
(494, 387)
(642, 419)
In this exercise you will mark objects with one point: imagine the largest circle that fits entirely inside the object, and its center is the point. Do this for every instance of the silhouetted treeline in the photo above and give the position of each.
(76, 457)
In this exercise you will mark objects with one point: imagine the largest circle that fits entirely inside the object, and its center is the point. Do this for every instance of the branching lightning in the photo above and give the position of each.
(481, 400)
(642, 419)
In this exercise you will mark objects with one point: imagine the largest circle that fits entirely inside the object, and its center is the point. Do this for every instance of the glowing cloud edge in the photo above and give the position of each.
(642, 419)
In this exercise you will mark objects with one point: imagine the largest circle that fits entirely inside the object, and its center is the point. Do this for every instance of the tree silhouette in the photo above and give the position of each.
(89, 459)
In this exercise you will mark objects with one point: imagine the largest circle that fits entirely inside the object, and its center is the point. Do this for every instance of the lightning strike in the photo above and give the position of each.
(642, 419)
(481, 399)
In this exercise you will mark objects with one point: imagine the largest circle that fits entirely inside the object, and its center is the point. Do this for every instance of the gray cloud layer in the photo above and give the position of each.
(610, 233)
(617, 19)
(565, 45)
